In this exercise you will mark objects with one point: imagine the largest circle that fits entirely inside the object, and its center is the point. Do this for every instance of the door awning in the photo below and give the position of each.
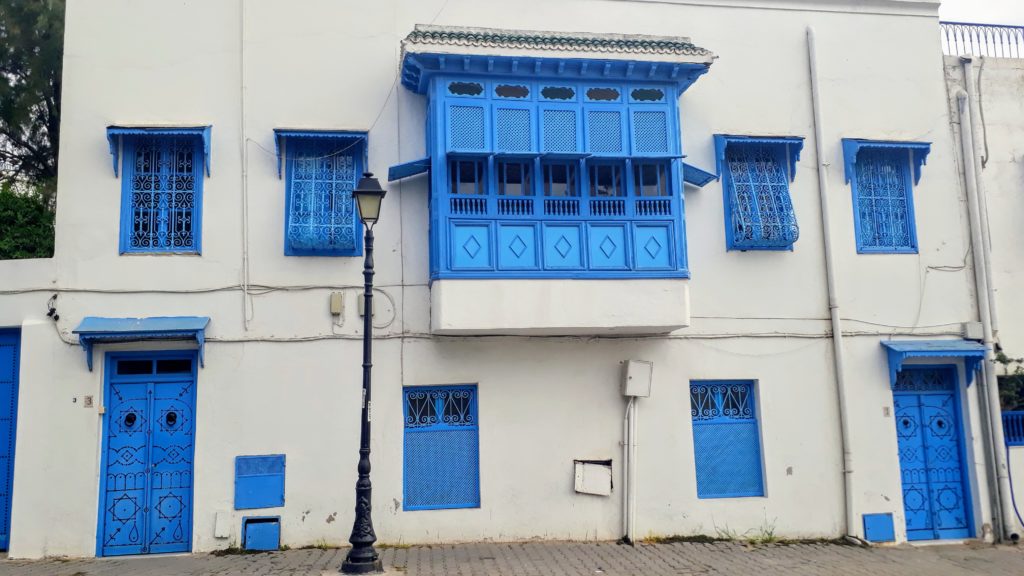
(93, 330)
(899, 351)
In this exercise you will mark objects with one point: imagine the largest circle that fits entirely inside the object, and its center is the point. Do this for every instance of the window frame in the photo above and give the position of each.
(753, 398)
(440, 426)
(128, 144)
(906, 169)
(359, 161)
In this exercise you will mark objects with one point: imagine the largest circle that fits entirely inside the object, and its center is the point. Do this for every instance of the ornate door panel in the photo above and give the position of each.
(170, 496)
(929, 431)
(127, 447)
(149, 443)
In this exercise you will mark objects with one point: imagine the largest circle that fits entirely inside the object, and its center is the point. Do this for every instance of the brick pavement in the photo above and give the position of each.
(569, 559)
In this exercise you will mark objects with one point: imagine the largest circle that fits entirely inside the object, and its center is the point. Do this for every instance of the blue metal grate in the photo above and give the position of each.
(466, 128)
(726, 441)
(441, 452)
(559, 131)
(883, 201)
(514, 129)
(923, 380)
(650, 132)
(760, 210)
(1013, 428)
(604, 131)
(259, 481)
(321, 217)
(162, 189)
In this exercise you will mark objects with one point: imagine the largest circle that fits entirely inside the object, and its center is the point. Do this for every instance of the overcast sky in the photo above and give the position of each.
(983, 11)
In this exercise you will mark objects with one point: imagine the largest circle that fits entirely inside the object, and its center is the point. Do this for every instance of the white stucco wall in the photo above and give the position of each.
(282, 376)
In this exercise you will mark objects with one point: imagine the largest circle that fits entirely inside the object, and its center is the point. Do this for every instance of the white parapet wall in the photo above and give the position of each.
(546, 308)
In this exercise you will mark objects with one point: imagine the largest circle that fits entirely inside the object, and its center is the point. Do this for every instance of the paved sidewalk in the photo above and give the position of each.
(566, 558)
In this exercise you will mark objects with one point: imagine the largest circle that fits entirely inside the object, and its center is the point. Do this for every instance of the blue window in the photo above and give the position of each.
(883, 175)
(162, 193)
(756, 175)
(726, 440)
(321, 168)
(441, 460)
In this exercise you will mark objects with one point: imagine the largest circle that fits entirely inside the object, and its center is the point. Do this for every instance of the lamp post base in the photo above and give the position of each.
(358, 567)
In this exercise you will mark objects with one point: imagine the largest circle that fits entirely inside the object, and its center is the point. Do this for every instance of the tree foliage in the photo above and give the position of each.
(31, 48)
(1011, 382)
(26, 226)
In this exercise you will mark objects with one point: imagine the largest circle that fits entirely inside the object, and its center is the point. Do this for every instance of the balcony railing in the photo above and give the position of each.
(1013, 428)
(967, 38)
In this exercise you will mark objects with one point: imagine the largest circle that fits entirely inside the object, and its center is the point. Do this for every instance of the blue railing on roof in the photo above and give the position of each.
(1013, 428)
(969, 38)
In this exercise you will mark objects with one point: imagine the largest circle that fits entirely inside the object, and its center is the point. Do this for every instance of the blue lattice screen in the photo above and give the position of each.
(885, 217)
(162, 192)
(321, 216)
(441, 452)
(760, 209)
(726, 440)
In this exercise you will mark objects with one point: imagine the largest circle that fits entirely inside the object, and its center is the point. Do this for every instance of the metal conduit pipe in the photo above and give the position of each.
(1001, 505)
(626, 470)
(833, 295)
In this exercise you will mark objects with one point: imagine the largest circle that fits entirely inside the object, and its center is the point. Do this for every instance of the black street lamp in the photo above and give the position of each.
(362, 558)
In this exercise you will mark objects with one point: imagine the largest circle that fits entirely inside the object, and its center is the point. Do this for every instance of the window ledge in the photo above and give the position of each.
(559, 307)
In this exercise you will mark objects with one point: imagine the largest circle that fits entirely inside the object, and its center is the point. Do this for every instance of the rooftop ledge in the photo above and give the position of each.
(559, 307)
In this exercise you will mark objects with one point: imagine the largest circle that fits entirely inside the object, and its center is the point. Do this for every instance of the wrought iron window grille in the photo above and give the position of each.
(726, 439)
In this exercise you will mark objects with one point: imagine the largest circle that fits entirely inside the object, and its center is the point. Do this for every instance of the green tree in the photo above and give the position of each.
(31, 49)
(1011, 382)
(26, 226)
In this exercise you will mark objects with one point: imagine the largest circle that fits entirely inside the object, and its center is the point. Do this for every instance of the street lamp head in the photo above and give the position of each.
(368, 195)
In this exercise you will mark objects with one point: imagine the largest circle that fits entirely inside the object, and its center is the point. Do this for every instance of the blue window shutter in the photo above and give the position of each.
(321, 217)
(441, 451)
(162, 185)
(726, 439)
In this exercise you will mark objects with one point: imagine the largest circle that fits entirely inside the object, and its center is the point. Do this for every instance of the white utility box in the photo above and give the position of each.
(636, 378)
(594, 477)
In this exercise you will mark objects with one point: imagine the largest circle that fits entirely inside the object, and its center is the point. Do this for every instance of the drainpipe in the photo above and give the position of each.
(833, 295)
(989, 394)
(626, 472)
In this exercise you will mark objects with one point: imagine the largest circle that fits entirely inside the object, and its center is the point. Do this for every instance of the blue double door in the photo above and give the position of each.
(149, 442)
(9, 368)
(929, 430)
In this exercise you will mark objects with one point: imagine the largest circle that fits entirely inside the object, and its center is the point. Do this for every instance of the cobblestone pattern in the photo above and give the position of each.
(564, 559)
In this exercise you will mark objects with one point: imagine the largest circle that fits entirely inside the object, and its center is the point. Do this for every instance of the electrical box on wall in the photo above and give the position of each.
(636, 378)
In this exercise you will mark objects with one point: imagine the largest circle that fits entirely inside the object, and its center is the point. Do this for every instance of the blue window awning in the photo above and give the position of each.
(93, 330)
(793, 144)
(696, 176)
(115, 135)
(340, 136)
(899, 351)
(407, 169)
(851, 146)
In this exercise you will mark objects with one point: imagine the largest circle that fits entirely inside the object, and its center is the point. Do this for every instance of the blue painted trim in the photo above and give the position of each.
(408, 169)
(793, 144)
(696, 176)
(361, 162)
(93, 330)
(966, 468)
(110, 358)
(898, 351)
(852, 146)
(116, 134)
(280, 134)
(420, 68)
(12, 336)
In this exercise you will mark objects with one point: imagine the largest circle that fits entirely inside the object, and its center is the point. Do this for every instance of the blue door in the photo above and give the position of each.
(9, 346)
(929, 431)
(149, 440)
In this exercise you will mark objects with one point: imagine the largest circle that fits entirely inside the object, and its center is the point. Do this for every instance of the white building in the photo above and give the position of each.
(533, 245)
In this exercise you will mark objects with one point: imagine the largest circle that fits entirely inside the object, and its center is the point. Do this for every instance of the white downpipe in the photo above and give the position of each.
(979, 185)
(632, 471)
(245, 167)
(626, 470)
(990, 393)
(833, 296)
